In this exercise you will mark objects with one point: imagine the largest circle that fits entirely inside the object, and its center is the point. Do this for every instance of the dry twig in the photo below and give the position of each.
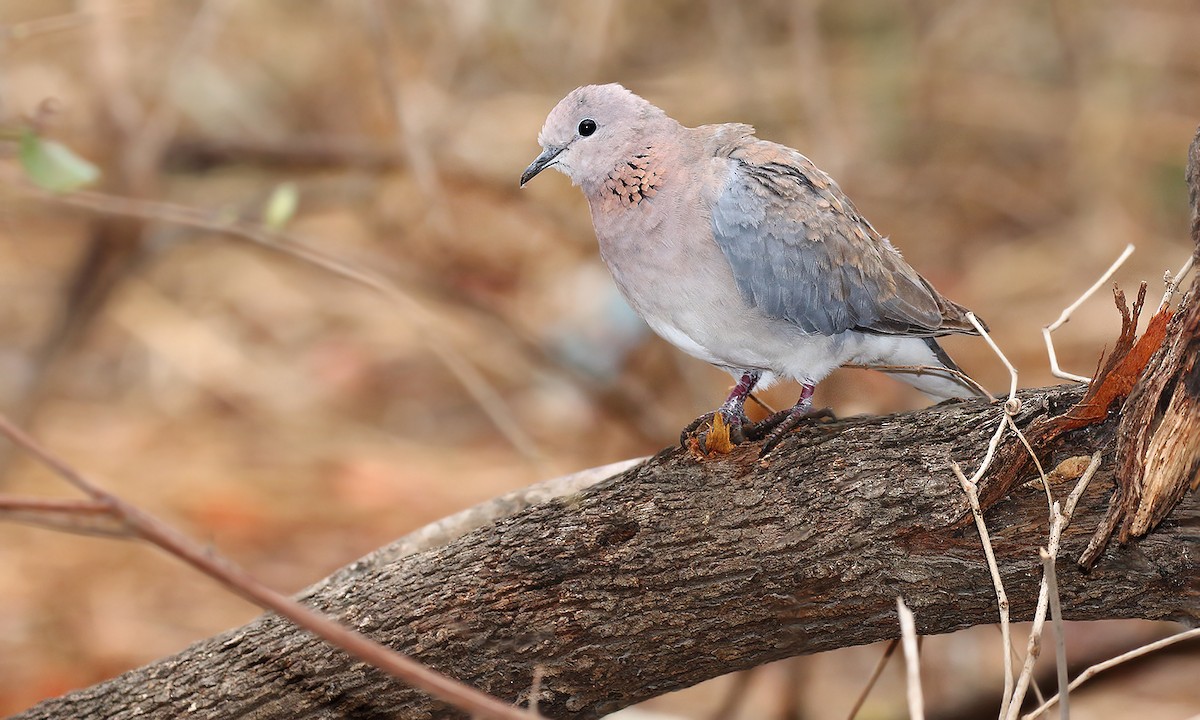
(1013, 696)
(1118, 374)
(930, 370)
(1001, 598)
(1173, 281)
(1113, 662)
(1065, 316)
(1058, 522)
(1034, 646)
(879, 666)
(912, 662)
(1060, 643)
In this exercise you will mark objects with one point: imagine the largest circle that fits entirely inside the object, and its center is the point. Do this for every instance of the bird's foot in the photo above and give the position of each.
(773, 428)
(715, 432)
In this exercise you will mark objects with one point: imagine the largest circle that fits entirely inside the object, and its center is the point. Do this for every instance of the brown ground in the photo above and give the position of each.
(296, 420)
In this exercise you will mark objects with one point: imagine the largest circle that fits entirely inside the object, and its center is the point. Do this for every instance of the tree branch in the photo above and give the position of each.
(682, 569)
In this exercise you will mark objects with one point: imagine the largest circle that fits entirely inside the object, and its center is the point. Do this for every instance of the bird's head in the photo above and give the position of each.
(592, 130)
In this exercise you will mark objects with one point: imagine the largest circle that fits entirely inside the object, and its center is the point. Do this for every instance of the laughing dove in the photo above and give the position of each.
(744, 254)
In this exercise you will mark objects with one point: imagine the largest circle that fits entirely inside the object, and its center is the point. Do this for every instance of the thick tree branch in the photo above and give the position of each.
(680, 570)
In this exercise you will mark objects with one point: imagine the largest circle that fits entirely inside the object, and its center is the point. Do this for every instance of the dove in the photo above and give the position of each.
(744, 254)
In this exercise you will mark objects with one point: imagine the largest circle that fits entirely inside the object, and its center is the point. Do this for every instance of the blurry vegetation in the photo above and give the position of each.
(298, 420)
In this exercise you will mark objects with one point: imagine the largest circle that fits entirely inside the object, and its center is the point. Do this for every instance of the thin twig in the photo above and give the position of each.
(108, 64)
(912, 662)
(1066, 316)
(1058, 522)
(1081, 485)
(385, 49)
(148, 145)
(1012, 371)
(1036, 461)
(1173, 281)
(1034, 646)
(879, 666)
(1060, 642)
(1017, 658)
(1048, 564)
(958, 375)
(1113, 662)
(1048, 595)
(83, 517)
(1012, 405)
(1001, 597)
(991, 451)
(159, 533)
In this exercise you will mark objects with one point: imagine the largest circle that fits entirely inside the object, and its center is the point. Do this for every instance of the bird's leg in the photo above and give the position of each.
(776, 426)
(732, 411)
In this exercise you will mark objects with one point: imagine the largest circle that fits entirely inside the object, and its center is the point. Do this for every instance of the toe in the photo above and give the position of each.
(777, 435)
(776, 427)
(762, 428)
(693, 426)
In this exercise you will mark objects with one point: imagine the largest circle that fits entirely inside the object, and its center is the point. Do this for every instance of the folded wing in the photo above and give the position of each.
(800, 251)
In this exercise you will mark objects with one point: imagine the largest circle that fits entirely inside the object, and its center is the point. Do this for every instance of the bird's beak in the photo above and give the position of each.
(543, 161)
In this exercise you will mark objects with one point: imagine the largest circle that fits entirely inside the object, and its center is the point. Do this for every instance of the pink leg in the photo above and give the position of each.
(781, 423)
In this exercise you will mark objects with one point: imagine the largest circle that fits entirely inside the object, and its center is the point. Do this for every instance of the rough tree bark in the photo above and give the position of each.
(680, 570)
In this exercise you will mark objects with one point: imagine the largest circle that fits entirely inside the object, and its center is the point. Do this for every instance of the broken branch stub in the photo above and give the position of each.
(1153, 382)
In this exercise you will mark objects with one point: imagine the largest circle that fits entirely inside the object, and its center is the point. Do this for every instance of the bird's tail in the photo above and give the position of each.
(924, 365)
(935, 373)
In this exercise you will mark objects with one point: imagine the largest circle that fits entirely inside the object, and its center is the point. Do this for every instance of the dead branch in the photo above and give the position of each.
(1153, 383)
(1111, 385)
(1158, 441)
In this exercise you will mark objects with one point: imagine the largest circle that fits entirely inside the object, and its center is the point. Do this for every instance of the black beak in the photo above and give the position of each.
(543, 161)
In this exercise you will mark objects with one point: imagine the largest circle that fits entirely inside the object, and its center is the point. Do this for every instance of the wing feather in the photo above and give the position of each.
(801, 251)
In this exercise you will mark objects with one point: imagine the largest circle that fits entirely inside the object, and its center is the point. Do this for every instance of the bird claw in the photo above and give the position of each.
(718, 436)
(773, 428)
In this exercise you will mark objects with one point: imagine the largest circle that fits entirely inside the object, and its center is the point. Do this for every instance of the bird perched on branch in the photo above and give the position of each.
(743, 253)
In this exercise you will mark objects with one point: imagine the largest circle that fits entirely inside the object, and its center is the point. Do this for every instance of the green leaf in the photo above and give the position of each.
(281, 206)
(53, 166)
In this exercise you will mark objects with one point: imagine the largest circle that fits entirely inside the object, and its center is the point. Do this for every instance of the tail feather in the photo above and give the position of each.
(918, 361)
(934, 372)
(942, 385)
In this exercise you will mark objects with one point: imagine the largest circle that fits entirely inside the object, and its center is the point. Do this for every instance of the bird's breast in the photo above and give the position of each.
(662, 258)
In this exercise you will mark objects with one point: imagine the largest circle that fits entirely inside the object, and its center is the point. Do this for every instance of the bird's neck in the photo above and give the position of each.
(636, 178)
(630, 212)
(630, 198)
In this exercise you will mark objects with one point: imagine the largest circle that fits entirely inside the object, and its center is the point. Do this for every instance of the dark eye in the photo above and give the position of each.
(587, 127)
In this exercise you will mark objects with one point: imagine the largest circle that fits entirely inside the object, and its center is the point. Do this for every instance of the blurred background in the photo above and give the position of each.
(296, 419)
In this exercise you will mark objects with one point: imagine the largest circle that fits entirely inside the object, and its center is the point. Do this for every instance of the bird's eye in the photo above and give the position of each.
(587, 127)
